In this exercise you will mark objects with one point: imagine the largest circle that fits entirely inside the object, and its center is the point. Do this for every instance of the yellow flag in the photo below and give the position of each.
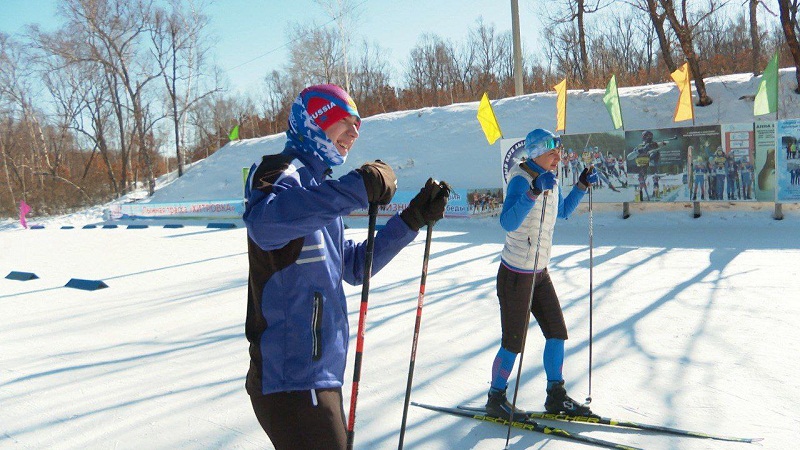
(684, 110)
(561, 105)
(488, 120)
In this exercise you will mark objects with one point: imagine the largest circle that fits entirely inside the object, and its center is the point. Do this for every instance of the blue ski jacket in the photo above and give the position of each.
(297, 322)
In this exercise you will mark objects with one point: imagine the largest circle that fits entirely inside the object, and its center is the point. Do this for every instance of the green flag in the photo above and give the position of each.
(245, 174)
(234, 135)
(767, 96)
(611, 99)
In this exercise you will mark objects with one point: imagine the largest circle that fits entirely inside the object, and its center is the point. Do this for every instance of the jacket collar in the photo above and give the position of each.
(316, 166)
(533, 166)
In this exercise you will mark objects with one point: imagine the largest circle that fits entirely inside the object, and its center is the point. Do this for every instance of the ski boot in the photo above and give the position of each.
(497, 405)
(558, 402)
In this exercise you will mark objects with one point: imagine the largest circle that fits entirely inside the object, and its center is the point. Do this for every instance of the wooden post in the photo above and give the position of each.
(778, 214)
(517, 48)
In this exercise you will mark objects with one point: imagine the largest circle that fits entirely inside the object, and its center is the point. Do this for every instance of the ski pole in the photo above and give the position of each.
(440, 190)
(420, 301)
(362, 317)
(591, 299)
(527, 316)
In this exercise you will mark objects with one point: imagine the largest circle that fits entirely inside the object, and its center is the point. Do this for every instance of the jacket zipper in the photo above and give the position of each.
(316, 325)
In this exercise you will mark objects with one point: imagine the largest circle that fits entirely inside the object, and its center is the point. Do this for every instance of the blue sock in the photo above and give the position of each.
(501, 369)
(553, 360)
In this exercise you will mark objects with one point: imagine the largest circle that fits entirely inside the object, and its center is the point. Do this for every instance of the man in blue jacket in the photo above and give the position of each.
(524, 261)
(297, 312)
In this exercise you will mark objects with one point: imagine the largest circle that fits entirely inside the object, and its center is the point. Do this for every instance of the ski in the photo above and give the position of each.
(599, 420)
(526, 424)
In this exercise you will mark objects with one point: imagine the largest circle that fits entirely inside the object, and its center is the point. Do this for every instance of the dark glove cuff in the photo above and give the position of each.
(536, 191)
(413, 218)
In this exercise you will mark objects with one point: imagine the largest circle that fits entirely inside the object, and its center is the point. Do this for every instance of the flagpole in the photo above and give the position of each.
(691, 97)
(777, 82)
(619, 102)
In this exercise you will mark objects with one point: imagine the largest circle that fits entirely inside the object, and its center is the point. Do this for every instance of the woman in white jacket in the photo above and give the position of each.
(522, 215)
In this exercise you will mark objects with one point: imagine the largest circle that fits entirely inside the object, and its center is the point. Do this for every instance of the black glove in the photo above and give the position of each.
(379, 180)
(588, 177)
(428, 206)
(543, 182)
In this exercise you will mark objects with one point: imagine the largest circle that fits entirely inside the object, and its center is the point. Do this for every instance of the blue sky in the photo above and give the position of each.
(250, 36)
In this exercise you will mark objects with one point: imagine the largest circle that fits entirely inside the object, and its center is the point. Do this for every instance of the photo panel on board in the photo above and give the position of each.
(672, 164)
(764, 170)
(738, 143)
(606, 152)
(787, 161)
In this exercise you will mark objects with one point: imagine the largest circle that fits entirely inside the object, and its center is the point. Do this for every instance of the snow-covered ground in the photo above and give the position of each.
(695, 320)
(695, 325)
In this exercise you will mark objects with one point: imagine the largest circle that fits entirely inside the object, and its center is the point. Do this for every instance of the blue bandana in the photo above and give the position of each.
(305, 132)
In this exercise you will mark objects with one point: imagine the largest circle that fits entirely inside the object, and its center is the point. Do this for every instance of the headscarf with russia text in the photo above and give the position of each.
(314, 111)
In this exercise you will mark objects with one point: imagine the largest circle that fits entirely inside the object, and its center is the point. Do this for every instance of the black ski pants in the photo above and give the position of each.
(514, 293)
(293, 422)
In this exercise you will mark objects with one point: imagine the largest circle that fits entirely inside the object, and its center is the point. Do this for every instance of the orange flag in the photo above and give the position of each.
(684, 110)
(561, 105)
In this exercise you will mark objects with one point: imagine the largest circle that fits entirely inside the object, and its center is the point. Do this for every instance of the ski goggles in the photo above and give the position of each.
(553, 143)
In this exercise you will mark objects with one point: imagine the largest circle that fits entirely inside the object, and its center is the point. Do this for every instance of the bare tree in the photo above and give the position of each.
(651, 41)
(345, 14)
(573, 14)
(68, 88)
(315, 56)
(180, 54)
(16, 90)
(97, 127)
(370, 80)
(280, 95)
(562, 50)
(211, 119)
(491, 52)
(430, 70)
(109, 34)
(755, 37)
(788, 14)
(684, 27)
(465, 71)
(657, 18)
(8, 79)
(619, 48)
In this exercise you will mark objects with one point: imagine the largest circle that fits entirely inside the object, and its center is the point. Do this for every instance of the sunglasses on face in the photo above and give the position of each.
(553, 143)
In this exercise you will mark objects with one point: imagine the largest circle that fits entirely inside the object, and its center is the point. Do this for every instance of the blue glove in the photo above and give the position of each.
(588, 178)
(544, 182)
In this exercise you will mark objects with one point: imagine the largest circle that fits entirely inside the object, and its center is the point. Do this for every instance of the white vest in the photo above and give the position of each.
(520, 249)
